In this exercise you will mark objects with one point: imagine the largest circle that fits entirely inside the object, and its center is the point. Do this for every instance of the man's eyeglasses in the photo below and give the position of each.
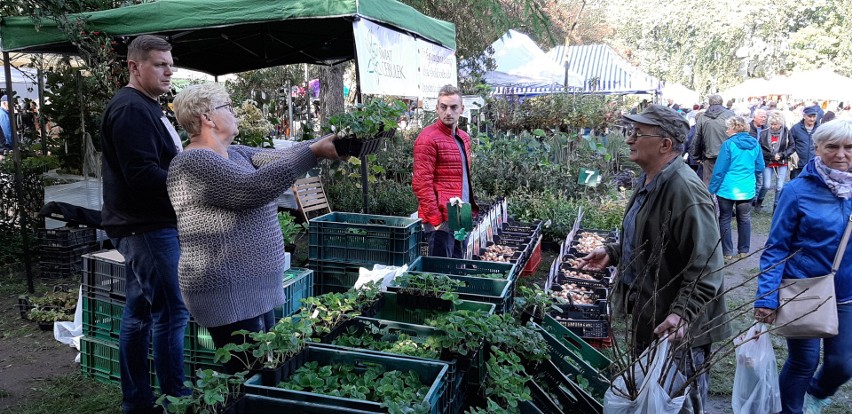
(227, 105)
(635, 135)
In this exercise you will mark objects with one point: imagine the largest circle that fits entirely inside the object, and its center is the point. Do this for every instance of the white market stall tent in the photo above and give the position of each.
(604, 70)
(522, 68)
(820, 84)
(680, 94)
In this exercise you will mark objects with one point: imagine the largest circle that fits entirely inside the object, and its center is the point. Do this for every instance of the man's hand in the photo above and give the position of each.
(764, 315)
(596, 260)
(324, 148)
(674, 326)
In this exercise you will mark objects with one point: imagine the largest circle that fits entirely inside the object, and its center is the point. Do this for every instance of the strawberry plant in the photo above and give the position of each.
(400, 392)
(429, 284)
(270, 349)
(395, 343)
(212, 392)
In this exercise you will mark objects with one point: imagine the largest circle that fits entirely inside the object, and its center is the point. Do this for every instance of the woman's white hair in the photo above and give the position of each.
(195, 100)
(834, 132)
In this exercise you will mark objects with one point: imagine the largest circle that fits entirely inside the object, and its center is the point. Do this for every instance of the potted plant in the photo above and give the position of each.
(275, 354)
(427, 291)
(461, 337)
(58, 305)
(289, 230)
(212, 393)
(360, 131)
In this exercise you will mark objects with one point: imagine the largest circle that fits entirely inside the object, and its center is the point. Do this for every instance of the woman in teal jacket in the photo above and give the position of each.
(812, 213)
(733, 183)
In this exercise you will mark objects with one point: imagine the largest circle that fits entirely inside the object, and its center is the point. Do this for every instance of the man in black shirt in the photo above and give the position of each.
(138, 145)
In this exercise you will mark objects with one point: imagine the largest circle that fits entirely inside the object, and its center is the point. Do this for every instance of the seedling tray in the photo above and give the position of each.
(462, 267)
(478, 289)
(432, 374)
(389, 310)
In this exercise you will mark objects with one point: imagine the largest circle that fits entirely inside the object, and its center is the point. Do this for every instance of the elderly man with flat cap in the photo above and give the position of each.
(669, 256)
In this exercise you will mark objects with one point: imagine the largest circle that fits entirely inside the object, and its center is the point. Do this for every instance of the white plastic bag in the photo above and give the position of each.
(653, 398)
(756, 388)
(382, 273)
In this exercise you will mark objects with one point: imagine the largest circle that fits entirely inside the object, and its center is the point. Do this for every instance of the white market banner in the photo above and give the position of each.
(437, 68)
(393, 63)
(387, 60)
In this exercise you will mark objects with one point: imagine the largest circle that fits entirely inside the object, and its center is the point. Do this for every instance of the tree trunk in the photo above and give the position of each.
(331, 91)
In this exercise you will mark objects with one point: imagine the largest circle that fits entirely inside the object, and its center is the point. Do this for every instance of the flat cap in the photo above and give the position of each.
(669, 120)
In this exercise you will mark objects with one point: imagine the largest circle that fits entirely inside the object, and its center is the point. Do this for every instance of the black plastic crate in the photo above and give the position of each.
(56, 257)
(66, 237)
(103, 274)
(586, 328)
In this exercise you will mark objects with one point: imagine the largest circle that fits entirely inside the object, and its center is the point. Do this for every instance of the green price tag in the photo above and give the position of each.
(589, 177)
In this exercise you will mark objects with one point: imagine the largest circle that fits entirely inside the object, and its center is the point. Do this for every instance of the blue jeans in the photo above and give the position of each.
(726, 212)
(797, 376)
(443, 244)
(223, 335)
(780, 179)
(154, 308)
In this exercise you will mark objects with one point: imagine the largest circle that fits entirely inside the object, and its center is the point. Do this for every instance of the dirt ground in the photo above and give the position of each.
(28, 356)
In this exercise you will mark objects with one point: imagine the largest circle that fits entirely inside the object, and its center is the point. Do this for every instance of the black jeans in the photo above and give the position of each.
(443, 244)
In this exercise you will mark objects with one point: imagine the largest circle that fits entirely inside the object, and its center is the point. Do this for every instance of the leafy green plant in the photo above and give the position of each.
(288, 337)
(48, 315)
(255, 129)
(462, 332)
(400, 392)
(289, 228)
(367, 120)
(330, 310)
(211, 393)
(434, 285)
(396, 343)
(532, 300)
(506, 380)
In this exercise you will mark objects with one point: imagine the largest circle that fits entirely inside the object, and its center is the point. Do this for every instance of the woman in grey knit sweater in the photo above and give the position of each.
(232, 251)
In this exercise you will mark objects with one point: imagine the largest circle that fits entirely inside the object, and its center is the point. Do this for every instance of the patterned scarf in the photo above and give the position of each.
(839, 182)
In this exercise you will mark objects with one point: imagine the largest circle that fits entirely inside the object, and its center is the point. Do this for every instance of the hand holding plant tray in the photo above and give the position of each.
(359, 132)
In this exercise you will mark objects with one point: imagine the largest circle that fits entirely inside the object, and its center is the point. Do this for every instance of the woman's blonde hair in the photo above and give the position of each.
(775, 117)
(196, 100)
(737, 123)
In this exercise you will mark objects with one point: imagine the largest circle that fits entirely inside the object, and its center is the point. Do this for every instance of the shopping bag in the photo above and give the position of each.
(653, 397)
(756, 388)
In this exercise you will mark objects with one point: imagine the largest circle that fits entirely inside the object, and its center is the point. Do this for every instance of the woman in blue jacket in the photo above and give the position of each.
(733, 183)
(813, 211)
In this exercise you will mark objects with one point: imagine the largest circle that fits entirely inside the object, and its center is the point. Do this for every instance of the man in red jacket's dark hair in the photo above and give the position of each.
(441, 172)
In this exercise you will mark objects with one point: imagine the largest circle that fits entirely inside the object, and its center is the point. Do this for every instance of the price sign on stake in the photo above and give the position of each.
(589, 177)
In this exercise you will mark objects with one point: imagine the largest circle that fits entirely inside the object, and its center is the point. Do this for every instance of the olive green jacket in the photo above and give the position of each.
(677, 246)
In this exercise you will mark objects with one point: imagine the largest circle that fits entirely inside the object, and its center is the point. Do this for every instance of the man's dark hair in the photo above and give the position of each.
(714, 99)
(140, 46)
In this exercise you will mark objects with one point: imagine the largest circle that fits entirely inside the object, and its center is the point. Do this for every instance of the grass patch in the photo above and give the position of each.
(72, 394)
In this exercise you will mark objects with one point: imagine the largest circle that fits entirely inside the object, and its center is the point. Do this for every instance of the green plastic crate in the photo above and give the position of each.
(364, 238)
(500, 292)
(102, 318)
(575, 344)
(570, 364)
(332, 276)
(99, 360)
(298, 284)
(261, 404)
(554, 384)
(430, 373)
(462, 267)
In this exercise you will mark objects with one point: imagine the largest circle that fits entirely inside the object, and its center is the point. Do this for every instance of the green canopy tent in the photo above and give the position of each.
(227, 36)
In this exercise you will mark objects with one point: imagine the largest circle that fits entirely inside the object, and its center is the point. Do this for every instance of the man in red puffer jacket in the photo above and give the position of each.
(441, 172)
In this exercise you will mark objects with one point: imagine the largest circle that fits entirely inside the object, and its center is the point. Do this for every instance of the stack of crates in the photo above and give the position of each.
(103, 287)
(341, 243)
(62, 249)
